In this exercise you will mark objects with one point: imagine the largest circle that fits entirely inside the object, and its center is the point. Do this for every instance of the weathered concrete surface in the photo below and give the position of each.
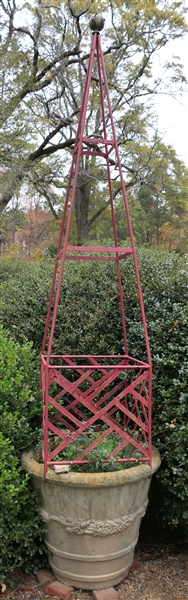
(93, 521)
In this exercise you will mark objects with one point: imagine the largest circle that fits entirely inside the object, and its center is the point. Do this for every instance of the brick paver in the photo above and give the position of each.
(135, 564)
(44, 576)
(108, 594)
(59, 589)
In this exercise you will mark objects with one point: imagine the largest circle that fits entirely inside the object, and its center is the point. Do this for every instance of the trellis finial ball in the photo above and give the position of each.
(97, 22)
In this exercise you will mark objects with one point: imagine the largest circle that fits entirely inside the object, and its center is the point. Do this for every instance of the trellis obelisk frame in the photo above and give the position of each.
(110, 394)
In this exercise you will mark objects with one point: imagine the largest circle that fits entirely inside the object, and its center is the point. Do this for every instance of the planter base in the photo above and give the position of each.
(93, 521)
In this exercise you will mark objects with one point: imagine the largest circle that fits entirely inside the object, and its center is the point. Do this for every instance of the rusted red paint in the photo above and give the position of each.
(109, 391)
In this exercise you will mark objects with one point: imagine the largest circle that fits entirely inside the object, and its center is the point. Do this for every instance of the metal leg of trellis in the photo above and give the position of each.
(115, 397)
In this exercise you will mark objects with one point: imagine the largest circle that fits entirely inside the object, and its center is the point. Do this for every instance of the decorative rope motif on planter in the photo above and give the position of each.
(92, 527)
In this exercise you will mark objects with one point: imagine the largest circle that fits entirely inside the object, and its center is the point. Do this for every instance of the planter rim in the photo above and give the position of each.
(113, 478)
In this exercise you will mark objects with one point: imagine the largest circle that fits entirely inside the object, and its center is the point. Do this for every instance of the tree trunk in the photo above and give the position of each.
(13, 183)
(81, 206)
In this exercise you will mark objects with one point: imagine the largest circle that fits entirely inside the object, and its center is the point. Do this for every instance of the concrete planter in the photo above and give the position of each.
(93, 520)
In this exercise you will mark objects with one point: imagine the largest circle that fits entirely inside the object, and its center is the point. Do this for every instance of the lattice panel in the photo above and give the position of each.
(101, 394)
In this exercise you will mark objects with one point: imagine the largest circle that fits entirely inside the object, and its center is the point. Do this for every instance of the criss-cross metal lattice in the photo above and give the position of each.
(102, 394)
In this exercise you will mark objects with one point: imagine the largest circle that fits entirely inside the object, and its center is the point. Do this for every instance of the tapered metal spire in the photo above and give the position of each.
(109, 393)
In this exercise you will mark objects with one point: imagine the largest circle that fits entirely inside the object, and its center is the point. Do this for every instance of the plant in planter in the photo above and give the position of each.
(100, 459)
(96, 408)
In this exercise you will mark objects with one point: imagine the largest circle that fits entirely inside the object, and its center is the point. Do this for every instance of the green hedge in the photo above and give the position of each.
(21, 531)
(89, 320)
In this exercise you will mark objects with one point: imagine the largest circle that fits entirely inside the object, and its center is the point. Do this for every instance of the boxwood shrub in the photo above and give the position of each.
(21, 531)
(89, 321)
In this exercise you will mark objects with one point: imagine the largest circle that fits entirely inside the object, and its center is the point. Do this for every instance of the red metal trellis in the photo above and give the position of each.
(111, 394)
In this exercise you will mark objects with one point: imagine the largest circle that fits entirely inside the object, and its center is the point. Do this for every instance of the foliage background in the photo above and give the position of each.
(44, 53)
(89, 321)
(21, 531)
